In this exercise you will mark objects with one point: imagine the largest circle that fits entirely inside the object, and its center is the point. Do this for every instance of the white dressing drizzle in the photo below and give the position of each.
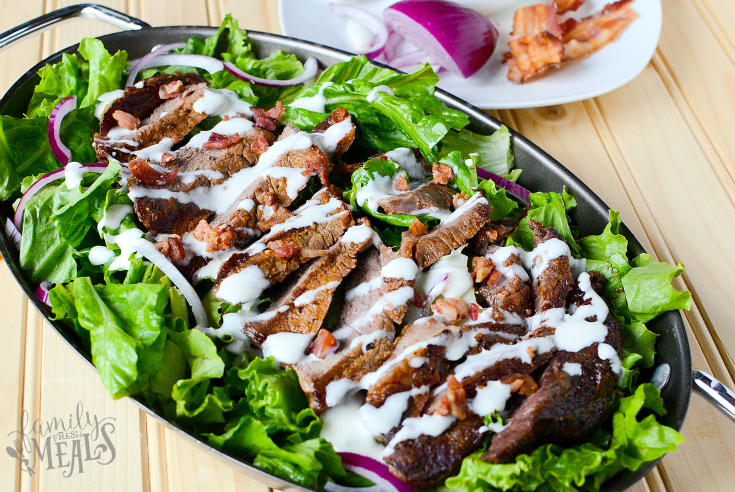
(123, 240)
(314, 103)
(230, 127)
(309, 296)
(382, 419)
(573, 368)
(490, 398)
(405, 158)
(357, 234)
(243, 286)
(105, 100)
(374, 93)
(341, 426)
(285, 347)
(221, 102)
(99, 255)
(73, 175)
(431, 425)
(156, 151)
(114, 215)
(474, 200)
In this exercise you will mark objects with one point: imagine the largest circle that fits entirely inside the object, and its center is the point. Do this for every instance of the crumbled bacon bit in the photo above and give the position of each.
(319, 164)
(170, 90)
(417, 228)
(277, 216)
(401, 184)
(126, 120)
(493, 278)
(520, 383)
(226, 117)
(144, 173)
(276, 111)
(166, 158)
(474, 311)
(451, 309)
(457, 397)
(443, 174)
(217, 141)
(259, 145)
(459, 199)
(481, 268)
(172, 248)
(283, 249)
(263, 120)
(324, 344)
(217, 239)
(442, 408)
(269, 199)
(529, 351)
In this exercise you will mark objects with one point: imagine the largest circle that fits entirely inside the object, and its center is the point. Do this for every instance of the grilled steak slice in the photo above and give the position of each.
(493, 234)
(507, 289)
(419, 359)
(567, 408)
(428, 197)
(303, 307)
(374, 303)
(264, 184)
(336, 148)
(173, 118)
(317, 225)
(427, 460)
(553, 284)
(463, 224)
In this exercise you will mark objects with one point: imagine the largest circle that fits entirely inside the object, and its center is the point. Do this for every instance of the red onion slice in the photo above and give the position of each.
(208, 63)
(391, 45)
(373, 470)
(43, 181)
(376, 26)
(60, 151)
(13, 233)
(514, 189)
(457, 38)
(157, 51)
(147, 249)
(41, 292)
(311, 66)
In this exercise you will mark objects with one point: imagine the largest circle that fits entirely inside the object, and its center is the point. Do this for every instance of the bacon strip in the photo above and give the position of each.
(149, 176)
(539, 43)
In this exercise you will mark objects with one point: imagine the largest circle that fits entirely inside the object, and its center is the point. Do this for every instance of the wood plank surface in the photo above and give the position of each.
(659, 149)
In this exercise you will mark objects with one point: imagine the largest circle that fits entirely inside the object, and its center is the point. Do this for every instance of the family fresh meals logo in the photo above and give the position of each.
(65, 444)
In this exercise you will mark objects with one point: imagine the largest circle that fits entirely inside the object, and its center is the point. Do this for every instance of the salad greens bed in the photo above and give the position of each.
(138, 327)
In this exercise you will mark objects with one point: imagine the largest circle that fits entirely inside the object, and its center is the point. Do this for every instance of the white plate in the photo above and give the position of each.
(611, 67)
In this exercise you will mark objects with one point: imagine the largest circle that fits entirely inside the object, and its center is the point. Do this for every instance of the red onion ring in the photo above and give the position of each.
(41, 292)
(375, 471)
(457, 38)
(311, 66)
(13, 233)
(60, 151)
(376, 26)
(391, 45)
(514, 189)
(147, 249)
(157, 51)
(43, 181)
(208, 63)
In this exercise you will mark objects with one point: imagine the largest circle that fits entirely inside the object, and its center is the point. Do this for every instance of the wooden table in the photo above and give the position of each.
(661, 150)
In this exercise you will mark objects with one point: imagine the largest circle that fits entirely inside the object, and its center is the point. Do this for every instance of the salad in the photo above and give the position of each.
(322, 273)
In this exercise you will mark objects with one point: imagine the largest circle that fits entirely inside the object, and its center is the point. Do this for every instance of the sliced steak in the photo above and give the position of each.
(365, 329)
(455, 231)
(317, 225)
(303, 307)
(567, 408)
(428, 197)
(493, 234)
(507, 286)
(427, 460)
(173, 118)
(552, 285)
(332, 145)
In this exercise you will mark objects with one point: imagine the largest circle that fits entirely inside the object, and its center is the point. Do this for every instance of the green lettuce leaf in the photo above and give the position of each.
(648, 289)
(87, 79)
(549, 209)
(503, 205)
(376, 168)
(495, 150)
(465, 171)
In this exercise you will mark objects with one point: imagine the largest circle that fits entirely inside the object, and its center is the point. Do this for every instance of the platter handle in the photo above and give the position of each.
(66, 14)
(715, 392)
